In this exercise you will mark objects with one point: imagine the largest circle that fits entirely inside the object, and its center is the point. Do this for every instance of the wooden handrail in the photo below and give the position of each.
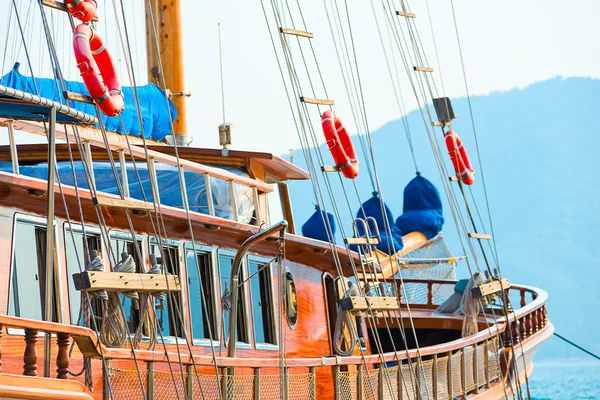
(90, 135)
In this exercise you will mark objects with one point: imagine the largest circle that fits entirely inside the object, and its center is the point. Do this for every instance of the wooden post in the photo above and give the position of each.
(380, 381)
(1, 331)
(62, 358)
(486, 366)
(429, 293)
(163, 24)
(449, 372)
(30, 355)
(463, 372)
(124, 178)
(313, 383)
(14, 158)
(256, 383)
(359, 381)
(257, 211)
(286, 206)
(434, 377)
(286, 381)
(209, 198)
(476, 367)
(106, 388)
(400, 381)
(523, 301)
(150, 380)
(189, 381)
(234, 206)
(336, 382)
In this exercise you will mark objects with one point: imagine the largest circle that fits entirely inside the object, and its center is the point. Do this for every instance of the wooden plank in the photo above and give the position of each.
(484, 236)
(438, 123)
(82, 98)
(125, 282)
(423, 69)
(363, 303)
(59, 5)
(362, 240)
(286, 206)
(127, 203)
(295, 32)
(406, 14)
(330, 168)
(322, 102)
(490, 288)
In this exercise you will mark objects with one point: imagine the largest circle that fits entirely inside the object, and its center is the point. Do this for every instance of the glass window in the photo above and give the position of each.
(27, 292)
(261, 293)
(274, 205)
(76, 262)
(168, 312)
(225, 266)
(200, 276)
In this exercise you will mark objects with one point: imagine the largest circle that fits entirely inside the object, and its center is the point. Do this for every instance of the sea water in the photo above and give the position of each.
(565, 379)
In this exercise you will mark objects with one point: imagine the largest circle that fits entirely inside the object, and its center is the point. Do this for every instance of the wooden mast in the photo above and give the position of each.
(166, 16)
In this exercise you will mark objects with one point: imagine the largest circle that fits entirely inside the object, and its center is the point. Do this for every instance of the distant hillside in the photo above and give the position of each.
(539, 148)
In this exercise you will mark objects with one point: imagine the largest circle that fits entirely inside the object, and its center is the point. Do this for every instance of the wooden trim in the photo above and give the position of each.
(423, 69)
(130, 204)
(286, 206)
(126, 282)
(295, 32)
(321, 102)
(406, 14)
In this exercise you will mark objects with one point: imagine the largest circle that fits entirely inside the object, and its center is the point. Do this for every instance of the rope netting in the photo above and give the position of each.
(432, 261)
(464, 377)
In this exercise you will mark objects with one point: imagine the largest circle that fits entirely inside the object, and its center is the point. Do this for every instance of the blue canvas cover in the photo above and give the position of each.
(389, 242)
(422, 208)
(153, 104)
(169, 186)
(315, 226)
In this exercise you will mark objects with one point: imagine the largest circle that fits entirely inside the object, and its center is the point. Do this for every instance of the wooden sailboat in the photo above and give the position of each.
(109, 296)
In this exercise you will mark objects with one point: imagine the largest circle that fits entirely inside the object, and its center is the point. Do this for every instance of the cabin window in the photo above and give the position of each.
(225, 266)
(28, 281)
(121, 243)
(261, 293)
(274, 205)
(201, 290)
(169, 314)
(77, 260)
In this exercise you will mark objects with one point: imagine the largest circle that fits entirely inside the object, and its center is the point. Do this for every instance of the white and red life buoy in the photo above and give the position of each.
(340, 145)
(83, 10)
(97, 70)
(460, 158)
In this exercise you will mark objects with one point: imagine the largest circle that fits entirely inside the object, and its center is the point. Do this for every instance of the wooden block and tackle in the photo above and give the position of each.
(125, 282)
(369, 303)
(490, 288)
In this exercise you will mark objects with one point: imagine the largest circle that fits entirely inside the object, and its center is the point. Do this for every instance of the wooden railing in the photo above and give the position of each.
(467, 362)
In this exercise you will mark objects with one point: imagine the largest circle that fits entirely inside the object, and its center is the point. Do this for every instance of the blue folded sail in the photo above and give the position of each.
(422, 208)
(156, 115)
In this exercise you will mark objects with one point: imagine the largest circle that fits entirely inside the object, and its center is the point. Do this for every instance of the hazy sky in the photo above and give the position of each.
(505, 45)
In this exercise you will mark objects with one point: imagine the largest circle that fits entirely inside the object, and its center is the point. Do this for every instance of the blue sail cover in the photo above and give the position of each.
(389, 242)
(153, 104)
(316, 228)
(169, 186)
(422, 208)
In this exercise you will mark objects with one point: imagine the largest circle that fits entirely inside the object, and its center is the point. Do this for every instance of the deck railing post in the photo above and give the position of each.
(209, 198)
(313, 383)
(256, 383)
(234, 206)
(124, 177)
(49, 284)
(30, 355)
(476, 367)
(429, 293)
(14, 157)
(400, 382)
(153, 181)
(434, 376)
(87, 148)
(189, 381)
(1, 332)
(486, 366)
(449, 373)
(257, 210)
(336, 382)
(106, 388)
(463, 372)
(62, 358)
(359, 381)
(380, 381)
(286, 382)
(150, 380)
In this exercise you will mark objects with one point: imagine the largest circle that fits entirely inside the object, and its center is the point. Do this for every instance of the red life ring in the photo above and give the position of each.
(83, 10)
(340, 145)
(460, 158)
(98, 73)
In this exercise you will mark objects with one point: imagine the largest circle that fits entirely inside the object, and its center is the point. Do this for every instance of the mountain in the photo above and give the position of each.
(539, 149)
